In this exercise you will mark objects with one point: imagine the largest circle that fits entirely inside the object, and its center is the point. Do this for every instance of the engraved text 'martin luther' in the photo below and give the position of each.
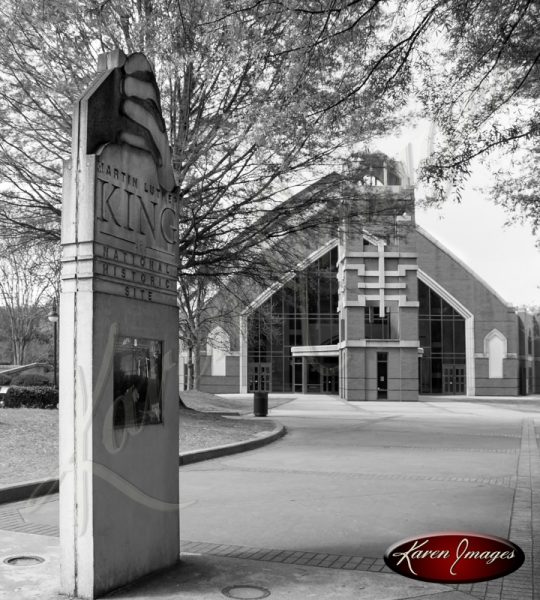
(125, 203)
(135, 196)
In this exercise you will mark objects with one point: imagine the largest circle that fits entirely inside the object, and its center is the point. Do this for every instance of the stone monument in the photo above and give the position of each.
(118, 336)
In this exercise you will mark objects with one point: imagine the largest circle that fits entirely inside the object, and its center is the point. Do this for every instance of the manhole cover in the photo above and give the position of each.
(245, 592)
(23, 561)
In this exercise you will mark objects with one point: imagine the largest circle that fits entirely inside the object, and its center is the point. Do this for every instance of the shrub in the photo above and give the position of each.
(31, 397)
(5, 379)
(31, 379)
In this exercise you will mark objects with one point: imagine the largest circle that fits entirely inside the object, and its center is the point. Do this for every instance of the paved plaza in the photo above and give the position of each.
(311, 515)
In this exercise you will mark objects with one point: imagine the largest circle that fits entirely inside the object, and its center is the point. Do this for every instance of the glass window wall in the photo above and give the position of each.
(442, 336)
(302, 313)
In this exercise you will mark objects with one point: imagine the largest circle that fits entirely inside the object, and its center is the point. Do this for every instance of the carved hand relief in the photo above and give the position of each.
(125, 109)
(144, 125)
(135, 200)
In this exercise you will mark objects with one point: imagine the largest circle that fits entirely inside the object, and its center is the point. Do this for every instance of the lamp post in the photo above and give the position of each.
(53, 318)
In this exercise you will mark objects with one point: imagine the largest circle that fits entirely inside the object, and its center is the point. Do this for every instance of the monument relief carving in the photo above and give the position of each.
(136, 208)
(119, 336)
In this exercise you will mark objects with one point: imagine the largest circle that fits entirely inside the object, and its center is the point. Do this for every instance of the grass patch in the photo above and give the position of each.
(205, 430)
(29, 436)
(28, 444)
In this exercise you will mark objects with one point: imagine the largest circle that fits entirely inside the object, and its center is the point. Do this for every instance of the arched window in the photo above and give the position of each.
(218, 346)
(495, 347)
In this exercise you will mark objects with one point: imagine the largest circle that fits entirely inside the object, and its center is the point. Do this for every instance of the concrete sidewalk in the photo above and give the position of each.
(311, 515)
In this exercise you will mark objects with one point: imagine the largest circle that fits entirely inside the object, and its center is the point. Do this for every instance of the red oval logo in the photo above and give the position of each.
(454, 557)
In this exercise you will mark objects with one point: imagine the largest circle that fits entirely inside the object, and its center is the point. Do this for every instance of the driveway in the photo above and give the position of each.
(310, 516)
(350, 479)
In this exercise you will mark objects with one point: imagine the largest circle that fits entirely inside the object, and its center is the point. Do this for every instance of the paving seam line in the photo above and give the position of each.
(366, 564)
(43, 487)
(525, 519)
(310, 559)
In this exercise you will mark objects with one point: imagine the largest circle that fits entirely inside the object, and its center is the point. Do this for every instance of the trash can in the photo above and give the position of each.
(260, 404)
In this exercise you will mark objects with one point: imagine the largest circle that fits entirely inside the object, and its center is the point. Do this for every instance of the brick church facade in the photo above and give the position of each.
(378, 311)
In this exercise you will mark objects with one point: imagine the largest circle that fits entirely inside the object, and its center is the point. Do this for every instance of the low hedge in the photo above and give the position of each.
(5, 379)
(31, 379)
(31, 397)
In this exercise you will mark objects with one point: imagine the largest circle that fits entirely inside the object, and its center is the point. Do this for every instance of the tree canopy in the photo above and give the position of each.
(28, 284)
(262, 96)
(479, 80)
(258, 97)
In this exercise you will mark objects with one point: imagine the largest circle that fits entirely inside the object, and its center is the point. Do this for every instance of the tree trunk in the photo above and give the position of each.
(189, 383)
(197, 366)
(18, 347)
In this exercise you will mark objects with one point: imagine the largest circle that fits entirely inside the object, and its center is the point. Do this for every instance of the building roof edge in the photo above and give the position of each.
(460, 262)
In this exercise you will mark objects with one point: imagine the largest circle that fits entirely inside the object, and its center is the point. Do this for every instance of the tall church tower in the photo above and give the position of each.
(378, 307)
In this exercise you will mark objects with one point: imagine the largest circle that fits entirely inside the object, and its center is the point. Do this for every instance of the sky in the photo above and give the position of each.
(505, 257)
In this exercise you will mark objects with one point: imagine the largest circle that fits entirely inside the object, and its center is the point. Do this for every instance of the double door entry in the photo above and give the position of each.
(315, 375)
(453, 379)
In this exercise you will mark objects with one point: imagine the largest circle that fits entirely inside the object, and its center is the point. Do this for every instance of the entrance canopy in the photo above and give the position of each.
(327, 350)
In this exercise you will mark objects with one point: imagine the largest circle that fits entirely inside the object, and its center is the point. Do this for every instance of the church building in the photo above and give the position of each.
(380, 310)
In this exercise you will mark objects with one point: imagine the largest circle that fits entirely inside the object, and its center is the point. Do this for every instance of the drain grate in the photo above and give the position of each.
(23, 561)
(245, 592)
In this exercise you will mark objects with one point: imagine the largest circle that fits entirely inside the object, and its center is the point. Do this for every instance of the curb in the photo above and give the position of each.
(194, 456)
(491, 400)
(44, 487)
(28, 489)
